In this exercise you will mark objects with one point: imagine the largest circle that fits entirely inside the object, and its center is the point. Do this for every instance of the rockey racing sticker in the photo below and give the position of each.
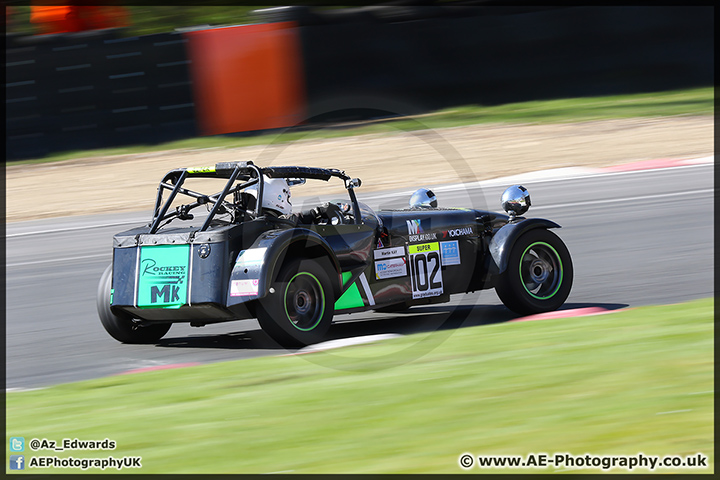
(425, 270)
(163, 276)
(450, 253)
(244, 288)
(390, 268)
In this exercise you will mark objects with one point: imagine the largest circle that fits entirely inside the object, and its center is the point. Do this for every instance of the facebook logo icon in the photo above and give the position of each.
(17, 462)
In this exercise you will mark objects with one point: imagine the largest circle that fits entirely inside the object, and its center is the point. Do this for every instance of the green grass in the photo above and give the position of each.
(698, 101)
(639, 380)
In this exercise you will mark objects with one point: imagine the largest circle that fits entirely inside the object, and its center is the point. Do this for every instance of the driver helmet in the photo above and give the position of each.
(276, 195)
(423, 198)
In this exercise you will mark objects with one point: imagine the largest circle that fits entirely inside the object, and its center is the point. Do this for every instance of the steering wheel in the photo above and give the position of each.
(332, 214)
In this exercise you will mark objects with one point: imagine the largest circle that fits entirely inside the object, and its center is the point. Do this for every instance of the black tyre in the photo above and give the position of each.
(300, 310)
(123, 328)
(539, 274)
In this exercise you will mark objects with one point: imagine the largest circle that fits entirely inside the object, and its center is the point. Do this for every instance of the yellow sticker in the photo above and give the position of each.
(201, 169)
(423, 247)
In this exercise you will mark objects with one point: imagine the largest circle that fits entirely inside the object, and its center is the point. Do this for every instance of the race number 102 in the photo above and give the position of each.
(425, 271)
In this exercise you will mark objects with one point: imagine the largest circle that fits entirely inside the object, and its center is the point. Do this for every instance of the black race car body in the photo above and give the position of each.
(294, 276)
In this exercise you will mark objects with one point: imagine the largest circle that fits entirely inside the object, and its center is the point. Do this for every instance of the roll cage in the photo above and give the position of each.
(245, 172)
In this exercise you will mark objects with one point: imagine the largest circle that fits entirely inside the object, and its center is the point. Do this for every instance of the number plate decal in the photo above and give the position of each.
(425, 270)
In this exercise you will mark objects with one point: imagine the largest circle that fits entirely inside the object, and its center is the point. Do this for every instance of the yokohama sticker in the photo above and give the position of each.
(391, 268)
(243, 288)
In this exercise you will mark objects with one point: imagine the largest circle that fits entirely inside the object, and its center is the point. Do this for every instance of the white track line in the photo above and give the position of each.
(55, 260)
(541, 207)
(626, 199)
(524, 178)
(70, 229)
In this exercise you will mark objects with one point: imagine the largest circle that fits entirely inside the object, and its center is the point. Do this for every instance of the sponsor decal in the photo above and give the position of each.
(423, 237)
(244, 288)
(201, 169)
(425, 270)
(380, 244)
(249, 258)
(450, 253)
(163, 276)
(458, 232)
(389, 253)
(416, 232)
(394, 267)
(414, 227)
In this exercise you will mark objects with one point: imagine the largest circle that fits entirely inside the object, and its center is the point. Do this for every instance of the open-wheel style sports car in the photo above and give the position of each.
(250, 256)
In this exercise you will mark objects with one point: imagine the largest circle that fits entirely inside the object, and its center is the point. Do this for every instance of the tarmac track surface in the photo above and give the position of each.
(636, 238)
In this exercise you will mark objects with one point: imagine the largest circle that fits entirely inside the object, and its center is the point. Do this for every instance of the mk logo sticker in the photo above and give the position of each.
(414, 227)
(165, 293)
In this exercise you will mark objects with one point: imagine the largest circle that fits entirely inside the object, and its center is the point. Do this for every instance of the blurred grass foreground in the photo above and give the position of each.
(639, 380)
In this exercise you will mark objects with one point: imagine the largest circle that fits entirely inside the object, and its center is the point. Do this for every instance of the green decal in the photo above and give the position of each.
(201, 170)
(163, 276)
(350, 299)
(346, 277)
(112, 294)
(424, 247)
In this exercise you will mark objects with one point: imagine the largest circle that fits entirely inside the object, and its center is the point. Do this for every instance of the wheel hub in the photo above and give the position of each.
(539, 271)
(302, 302)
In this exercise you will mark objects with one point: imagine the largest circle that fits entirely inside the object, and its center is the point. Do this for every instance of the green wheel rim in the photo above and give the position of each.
(541, 270)
(304, 301)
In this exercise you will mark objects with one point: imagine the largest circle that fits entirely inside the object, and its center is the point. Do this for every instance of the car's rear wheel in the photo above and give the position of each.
(122, 327)
(539, 274)
(300, 307)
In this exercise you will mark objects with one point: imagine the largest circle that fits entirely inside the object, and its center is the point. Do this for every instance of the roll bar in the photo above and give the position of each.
(249, 173)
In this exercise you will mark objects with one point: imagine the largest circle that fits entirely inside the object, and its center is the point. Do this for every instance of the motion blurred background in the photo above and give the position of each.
(88, 76)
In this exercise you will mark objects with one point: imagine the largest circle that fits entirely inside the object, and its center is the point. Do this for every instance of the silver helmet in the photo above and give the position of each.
(515, 200)
(423, 198)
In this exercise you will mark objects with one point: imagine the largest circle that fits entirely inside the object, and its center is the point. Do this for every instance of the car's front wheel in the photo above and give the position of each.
(122, 328)
(300, 307)
(539, 274)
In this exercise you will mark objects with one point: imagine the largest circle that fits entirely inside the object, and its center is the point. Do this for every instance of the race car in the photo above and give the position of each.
(251, 256)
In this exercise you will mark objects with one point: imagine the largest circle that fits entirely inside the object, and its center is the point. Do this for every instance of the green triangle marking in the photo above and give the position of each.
(351, 298)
